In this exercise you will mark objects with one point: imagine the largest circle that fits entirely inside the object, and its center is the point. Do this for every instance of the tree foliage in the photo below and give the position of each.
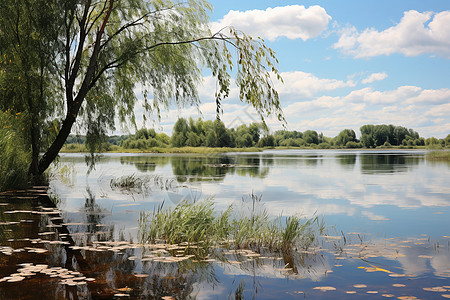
(377, 135)
(345, 136)
(78, 63)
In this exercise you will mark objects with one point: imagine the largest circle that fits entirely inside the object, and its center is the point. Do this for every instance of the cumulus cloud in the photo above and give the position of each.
(292, 22)
(329, 106)
(305, 85)
(375, 97)
(300, 85)
(374, 77)
(417, 33)
(424, 110)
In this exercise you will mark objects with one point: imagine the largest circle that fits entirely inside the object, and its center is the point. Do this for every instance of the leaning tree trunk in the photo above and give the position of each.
(73, 106)
(57, 144)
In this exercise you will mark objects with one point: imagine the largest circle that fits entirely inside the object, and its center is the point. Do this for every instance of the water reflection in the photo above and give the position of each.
(382, 163)
(348, 160)
(34, 233)
(382, 203)
(145, 163)
(215, 168)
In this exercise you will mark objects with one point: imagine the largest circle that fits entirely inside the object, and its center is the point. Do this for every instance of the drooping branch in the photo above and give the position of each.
(74, 108)
(90, 62)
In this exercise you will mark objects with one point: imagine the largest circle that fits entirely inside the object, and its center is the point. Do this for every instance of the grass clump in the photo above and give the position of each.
(141, 184)
(442, 155)
(198, 225)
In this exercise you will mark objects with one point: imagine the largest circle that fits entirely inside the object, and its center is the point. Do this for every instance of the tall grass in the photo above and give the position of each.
(14, 155)
(439, 155)
(199, 225)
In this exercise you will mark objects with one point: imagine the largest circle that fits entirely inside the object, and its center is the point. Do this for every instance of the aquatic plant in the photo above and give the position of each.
(442, 155)
(141, 184)
(199, 226)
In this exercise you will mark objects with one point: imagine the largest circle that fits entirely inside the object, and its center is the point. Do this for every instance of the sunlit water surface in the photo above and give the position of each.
(386, 214)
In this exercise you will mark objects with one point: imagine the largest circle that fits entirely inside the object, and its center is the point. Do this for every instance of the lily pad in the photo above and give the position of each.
(324, 288)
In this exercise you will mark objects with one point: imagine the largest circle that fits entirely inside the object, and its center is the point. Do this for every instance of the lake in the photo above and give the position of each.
(386, 216)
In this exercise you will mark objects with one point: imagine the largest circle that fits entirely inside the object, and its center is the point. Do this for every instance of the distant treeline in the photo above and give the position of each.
(199, 133)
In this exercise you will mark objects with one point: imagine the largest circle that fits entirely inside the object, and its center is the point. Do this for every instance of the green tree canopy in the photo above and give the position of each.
(345, 136)
(79, 62)
(377, 135)
(311, 137)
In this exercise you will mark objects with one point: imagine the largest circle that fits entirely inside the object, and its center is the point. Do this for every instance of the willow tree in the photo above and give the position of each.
(81, 62)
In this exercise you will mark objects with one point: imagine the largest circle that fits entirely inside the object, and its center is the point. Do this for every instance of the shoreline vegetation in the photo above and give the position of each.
(433, 154)
(199, 136)
(79, 148)
(439, 155)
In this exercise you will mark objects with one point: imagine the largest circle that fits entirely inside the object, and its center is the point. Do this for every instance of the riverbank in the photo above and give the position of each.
(78, 148)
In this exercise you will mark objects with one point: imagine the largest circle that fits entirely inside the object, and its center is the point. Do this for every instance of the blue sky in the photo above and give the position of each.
(345, 63)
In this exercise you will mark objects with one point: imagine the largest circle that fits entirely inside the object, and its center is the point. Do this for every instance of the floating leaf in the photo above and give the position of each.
(435, 289)
(398, 285)
(324, 288)
(331, 237)
(397, 275)
(15, 278)
(359, 286)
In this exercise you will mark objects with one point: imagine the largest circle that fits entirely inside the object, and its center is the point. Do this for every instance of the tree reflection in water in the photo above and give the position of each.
(116, 266)
(31, 221)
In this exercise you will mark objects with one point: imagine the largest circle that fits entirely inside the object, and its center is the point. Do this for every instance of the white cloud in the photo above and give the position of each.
(306, 85)
(439, 111)
(374, 97)
(310, 102)
(375, 77)
(441, 96)
(292, 22)
(411, 37)
(423, 110)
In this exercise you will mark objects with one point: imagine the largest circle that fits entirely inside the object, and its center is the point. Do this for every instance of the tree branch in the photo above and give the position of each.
(78, 57)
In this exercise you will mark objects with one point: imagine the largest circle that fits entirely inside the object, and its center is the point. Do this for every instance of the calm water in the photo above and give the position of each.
(387, 217)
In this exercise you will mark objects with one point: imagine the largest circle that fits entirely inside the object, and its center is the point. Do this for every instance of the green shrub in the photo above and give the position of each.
(352, 145)
(324, 146)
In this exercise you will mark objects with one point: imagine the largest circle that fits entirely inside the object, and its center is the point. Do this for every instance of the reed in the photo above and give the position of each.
(439, 155)
(199, 225)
